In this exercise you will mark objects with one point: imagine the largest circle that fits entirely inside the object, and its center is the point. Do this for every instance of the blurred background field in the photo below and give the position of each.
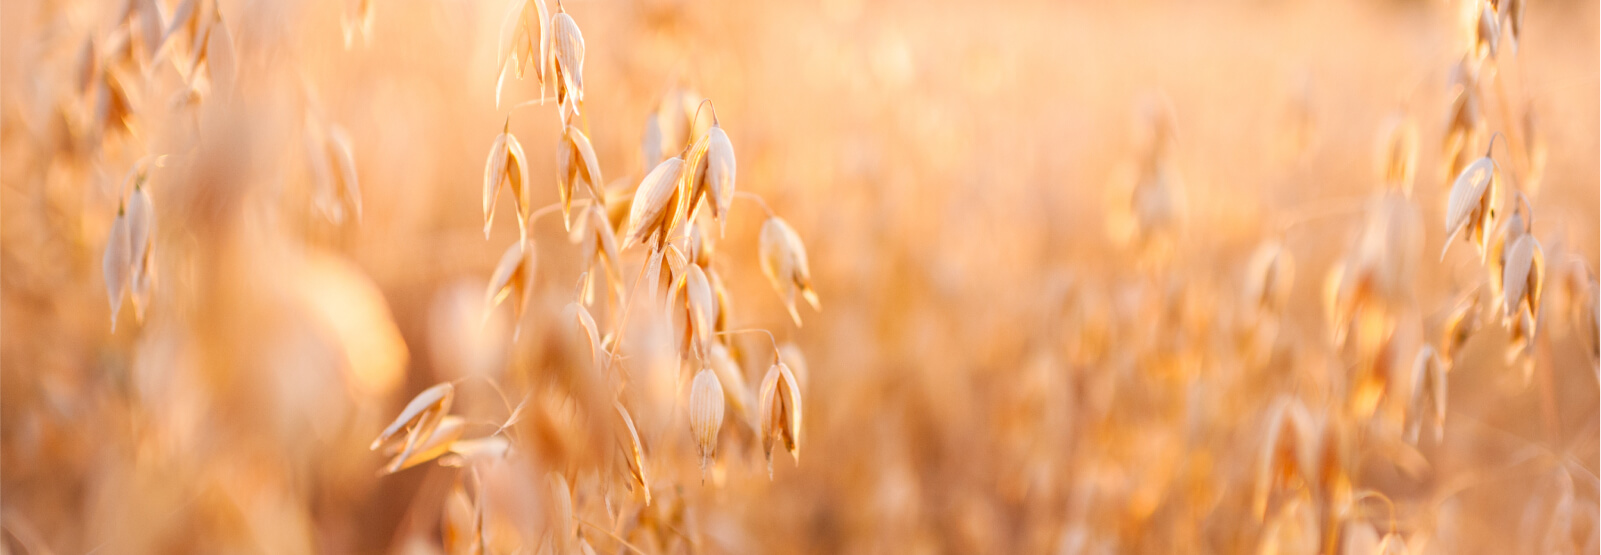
(998, 367)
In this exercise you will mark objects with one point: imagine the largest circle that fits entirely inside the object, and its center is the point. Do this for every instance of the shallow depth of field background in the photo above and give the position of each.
(993, 370)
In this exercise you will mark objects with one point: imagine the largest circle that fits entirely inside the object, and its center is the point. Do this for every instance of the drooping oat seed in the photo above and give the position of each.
(780, 413)
(576, 160)
(706, 414)
(1426, 406)
(513, 277)
(654, 201)
(116, 265)
(567, 51)
(1470, 207)
(506, 167)
(784, 262)
(437, 444)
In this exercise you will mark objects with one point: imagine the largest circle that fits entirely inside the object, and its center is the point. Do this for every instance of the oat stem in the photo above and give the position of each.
(755, 197)
(609, 533)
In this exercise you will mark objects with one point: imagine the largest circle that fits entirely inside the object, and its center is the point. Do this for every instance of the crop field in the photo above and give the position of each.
(592, 276)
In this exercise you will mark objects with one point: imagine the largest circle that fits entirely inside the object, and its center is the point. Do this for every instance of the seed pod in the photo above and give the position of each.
(600, 246)
(780, 416)
(784, 262)
(575, 160)
(579, 316)
(1523, 278)
(706, 414)
(654, 202)
(1288, 452)
(713, 178)
(568, 54)
(1512, 14)
(1269, 276)
(116, 265)
(437, 444)
(1459, 325)
(1470, 207)
(1427, 404)
(1396, 152)
(701, 306)
(141, 236)
(1488, 33)
(633, 451)
(1516, 225)
(513, 277)
(421, 416)
(737, 392)
(506, 167)
(562, 527)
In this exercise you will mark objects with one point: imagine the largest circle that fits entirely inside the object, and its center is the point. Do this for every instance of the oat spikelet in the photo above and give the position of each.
(1524, 279)
(506, 167)
(713, 175)
(438, 443)
(1397, 152)
(784, 262)
(116, 265)
(562, 526)
(1426, 407)
(568, 54)
(1288, 452)
(576, 160)
(653, 205)
(706, 414)
(633, 451)
(141, 240)
(420, 418)
(1470, 207)
(513, 277)
(780, 416)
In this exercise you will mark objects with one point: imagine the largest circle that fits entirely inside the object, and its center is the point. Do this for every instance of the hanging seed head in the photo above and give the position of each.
(1488, 32)
(706, 414)
(1471, 205)
(780, 413)
(514, 278)
(507, 167)
(568, 54)
(1512, 14)
(141, 238)
(116, 265)
(562, 527)
(1289, 451)
(702, 308)
(784, 262)
(1516, 225)
(1459, 325)
(1269, 277)
(654, 203)
(633, 452)
(438, 443)
(419, 419)
(1523, 278)
(1397, 152)
(575, 160)
(720, 171)
(1426, 407)
(737, 393)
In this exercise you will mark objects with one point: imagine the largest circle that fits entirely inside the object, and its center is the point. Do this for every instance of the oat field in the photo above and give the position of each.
(591, 276)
